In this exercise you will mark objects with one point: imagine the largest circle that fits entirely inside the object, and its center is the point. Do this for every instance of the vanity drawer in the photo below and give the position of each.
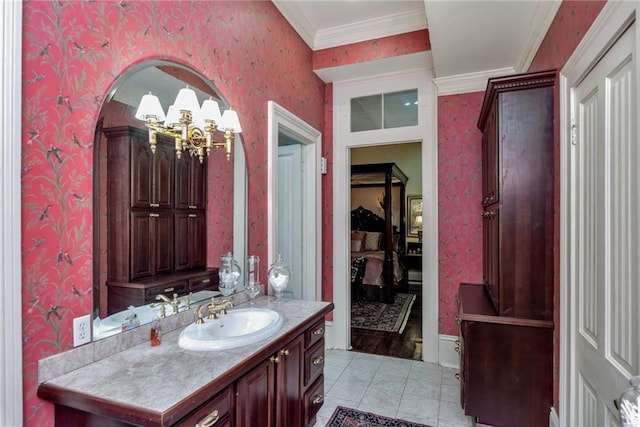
(313, 400)
(313, 362)
(218, 408)
(208, 282)
(180, 288)
(314, 334)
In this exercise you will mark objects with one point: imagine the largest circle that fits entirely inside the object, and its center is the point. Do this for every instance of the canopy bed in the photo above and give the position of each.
(376, 238)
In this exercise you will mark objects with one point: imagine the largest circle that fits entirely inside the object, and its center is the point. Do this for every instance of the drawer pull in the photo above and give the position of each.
(457, 376)
(193, 207)
(319, 331)
(458, 319)
(171, 289)
(318, 399)
(209, 420)
(318, 361)
(206, 280)
(274, 359)
(192, 215)
(154, 215)
(154, 205)
(285, 352)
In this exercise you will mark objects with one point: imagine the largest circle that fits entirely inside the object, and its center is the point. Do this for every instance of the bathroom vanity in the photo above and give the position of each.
(275, 382)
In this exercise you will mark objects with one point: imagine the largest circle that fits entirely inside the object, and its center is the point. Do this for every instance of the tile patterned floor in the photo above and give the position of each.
(399, 388)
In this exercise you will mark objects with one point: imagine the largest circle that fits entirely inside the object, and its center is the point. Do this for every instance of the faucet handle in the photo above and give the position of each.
(199, 316)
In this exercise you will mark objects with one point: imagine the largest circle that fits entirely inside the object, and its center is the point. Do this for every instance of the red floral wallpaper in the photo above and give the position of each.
(459, 196)
(386, 47)
(72, 54)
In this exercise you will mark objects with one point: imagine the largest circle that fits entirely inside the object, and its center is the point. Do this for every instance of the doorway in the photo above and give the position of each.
(387, 328)
(289, 129)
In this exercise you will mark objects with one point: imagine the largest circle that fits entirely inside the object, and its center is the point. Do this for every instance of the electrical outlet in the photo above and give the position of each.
(81, 330)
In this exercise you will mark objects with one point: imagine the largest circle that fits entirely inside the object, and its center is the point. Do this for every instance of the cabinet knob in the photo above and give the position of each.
(274, 359)
(285, 352)
(319, 331)
(318, 399)
(209, 420)
(318, 361)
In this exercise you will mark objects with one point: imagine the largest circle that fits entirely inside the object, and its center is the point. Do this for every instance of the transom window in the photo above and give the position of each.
(384, 111)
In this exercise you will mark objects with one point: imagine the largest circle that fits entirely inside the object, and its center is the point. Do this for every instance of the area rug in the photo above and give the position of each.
(379, 316)
(347, 417)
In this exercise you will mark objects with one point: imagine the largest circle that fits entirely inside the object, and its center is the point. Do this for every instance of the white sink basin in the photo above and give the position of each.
(242, 326)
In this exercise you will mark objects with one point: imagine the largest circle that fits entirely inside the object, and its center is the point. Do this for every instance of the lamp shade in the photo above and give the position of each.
(173, 117)
(417, 223)
(230, 121)
(211, 111)
(150, 108)
(187, 101)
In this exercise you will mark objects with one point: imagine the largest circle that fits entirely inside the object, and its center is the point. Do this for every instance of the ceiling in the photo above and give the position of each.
(470, 40)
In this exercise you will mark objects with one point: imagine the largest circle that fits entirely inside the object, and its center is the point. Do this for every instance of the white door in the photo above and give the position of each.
(290, 235)
(604, 236)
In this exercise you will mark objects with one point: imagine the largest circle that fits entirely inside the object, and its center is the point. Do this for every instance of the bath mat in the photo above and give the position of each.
(347, 417)
(379, 316)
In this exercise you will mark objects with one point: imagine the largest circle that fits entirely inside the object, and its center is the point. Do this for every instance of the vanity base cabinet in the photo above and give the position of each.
(279, 391)
(506, 364)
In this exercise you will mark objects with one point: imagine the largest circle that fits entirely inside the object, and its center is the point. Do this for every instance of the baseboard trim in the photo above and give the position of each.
(554, 420)
(447, 354)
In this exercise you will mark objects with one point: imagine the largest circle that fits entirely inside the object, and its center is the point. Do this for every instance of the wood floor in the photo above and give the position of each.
(407, 345)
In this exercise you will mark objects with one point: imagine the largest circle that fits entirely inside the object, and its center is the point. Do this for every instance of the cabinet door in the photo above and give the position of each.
(163, 175)
(151, 175)
(151, 244)
(290, 377)
(141, 173)
(490, 160)
(491, 251)
(255, 401)
(190, 183)
(190, 240)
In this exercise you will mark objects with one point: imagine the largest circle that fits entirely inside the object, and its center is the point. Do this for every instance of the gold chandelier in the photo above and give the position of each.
(192, 127)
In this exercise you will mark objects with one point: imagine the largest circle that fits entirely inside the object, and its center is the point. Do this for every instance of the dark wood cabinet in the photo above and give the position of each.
(190, 183)
(152, 238)
(156, 209)
(144, 291)
(190, 237)
(286, 390)
(506, 327)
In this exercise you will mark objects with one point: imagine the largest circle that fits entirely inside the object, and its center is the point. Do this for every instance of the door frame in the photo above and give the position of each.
(343, 140)
(282, 120)
(612, 21)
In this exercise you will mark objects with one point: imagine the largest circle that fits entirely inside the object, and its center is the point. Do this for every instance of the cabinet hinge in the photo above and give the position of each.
(574, 140)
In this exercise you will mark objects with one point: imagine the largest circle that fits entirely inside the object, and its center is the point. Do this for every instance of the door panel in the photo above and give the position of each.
(605, 235)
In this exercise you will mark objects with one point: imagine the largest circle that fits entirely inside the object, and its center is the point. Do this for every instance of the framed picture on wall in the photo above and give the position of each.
(414, 216)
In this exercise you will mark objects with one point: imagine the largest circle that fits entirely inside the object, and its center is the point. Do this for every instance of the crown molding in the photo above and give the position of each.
(471, 82)
(293, 14)
(544, 15)
(360, 70)
(370, 29)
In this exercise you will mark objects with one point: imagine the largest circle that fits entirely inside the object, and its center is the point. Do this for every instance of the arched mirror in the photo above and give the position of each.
(162, 218)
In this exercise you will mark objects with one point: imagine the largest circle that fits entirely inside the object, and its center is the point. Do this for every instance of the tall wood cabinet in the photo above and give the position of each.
(506, 327)
(156, 221)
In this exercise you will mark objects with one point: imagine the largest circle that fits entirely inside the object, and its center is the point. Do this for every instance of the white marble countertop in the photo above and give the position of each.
(159, 379)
